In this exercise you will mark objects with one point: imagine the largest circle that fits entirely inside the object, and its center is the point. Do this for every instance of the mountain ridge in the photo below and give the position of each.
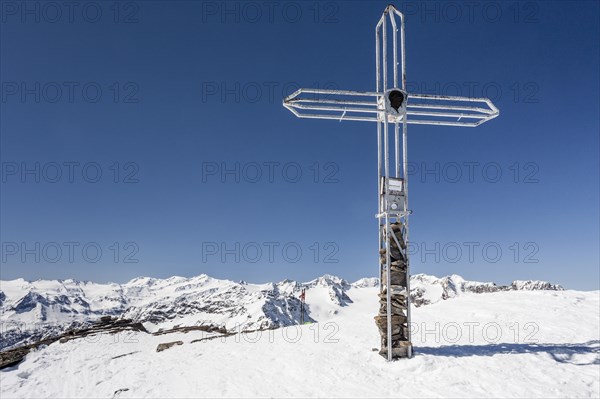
(32, 310)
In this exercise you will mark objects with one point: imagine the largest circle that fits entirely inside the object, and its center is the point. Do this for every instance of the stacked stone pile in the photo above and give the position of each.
(401, 346)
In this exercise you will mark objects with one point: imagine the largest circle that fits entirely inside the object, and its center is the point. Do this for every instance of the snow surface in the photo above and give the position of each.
(511, 344)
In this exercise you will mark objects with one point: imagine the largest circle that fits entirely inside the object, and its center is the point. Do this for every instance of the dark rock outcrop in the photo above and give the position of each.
(107, 325)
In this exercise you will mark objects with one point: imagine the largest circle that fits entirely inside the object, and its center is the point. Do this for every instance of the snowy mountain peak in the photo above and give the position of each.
(328, 280)
(366, 282)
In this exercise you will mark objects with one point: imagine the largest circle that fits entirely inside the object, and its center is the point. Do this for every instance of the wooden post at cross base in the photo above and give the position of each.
(390, 106)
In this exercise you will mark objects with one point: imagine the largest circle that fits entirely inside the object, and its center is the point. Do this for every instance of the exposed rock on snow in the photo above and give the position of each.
(534, 285)
(167, 345)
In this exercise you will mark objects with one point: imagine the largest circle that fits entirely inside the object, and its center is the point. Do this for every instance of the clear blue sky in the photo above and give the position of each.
(190, 88)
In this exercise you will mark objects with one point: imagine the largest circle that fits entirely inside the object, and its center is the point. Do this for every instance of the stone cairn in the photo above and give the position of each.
(401, 346)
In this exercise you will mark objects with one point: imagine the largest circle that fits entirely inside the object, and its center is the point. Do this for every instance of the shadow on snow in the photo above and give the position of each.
(562, 353)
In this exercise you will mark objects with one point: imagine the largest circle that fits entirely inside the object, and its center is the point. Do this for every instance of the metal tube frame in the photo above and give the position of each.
(385, 231)
(439, 110)
(379, 187)
(423, 109)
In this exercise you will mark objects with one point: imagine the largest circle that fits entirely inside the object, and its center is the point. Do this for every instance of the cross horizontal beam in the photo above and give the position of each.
(421, 109)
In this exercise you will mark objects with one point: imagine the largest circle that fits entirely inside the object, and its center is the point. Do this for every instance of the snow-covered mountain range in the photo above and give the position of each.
(30, 311)
(515, 342)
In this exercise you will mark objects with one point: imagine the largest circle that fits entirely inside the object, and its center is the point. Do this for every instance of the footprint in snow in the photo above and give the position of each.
(24, 374)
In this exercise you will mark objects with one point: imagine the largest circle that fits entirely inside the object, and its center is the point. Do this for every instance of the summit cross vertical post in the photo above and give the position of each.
(391, 105)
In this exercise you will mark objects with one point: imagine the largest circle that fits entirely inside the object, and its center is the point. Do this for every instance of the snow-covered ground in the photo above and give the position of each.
(499, 344)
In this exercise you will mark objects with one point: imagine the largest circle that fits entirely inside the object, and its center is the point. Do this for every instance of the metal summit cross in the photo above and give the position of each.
(391, 105)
